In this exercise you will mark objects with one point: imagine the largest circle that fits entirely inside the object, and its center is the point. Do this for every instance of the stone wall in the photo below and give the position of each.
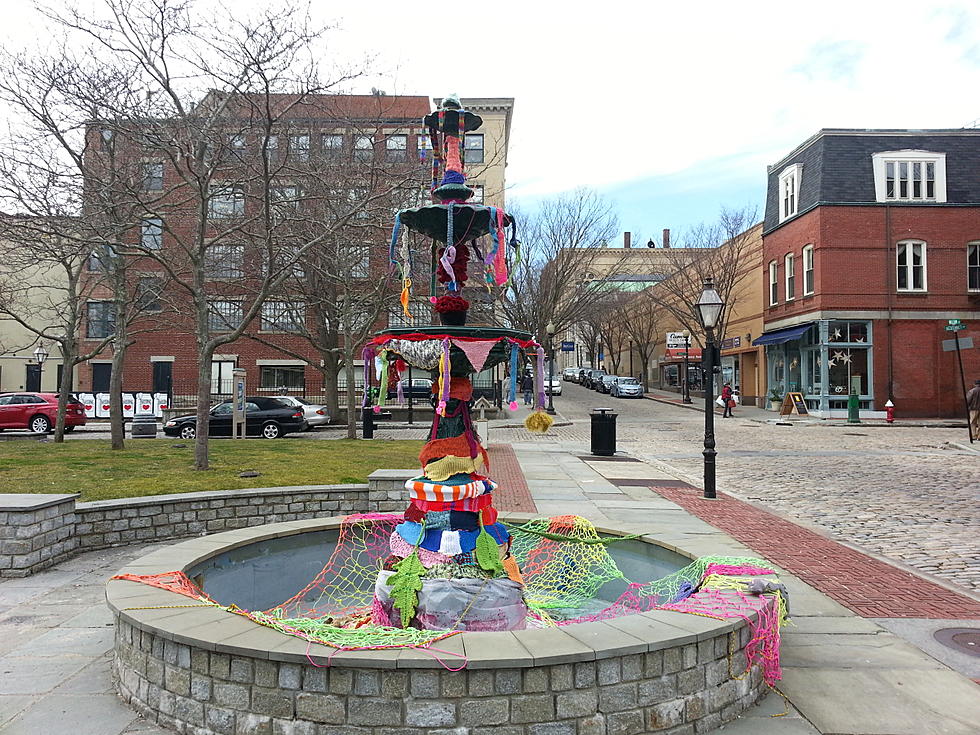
(36, 531)
(680, 690)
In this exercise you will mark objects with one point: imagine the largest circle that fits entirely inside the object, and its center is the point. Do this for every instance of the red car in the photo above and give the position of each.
(37, 412)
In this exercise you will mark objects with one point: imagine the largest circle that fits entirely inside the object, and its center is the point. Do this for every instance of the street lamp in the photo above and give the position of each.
(710, 307)
(686, 383)
(550, 329)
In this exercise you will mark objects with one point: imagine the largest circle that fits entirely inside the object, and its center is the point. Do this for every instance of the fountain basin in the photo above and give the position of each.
(204, 670)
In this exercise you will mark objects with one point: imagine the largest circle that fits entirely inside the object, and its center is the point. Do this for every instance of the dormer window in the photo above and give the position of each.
(909, 176)
(789, 191)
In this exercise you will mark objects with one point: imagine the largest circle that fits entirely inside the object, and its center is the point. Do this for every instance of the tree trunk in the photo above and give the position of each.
(117, 426)
(331, 375)
(203, 408)
(64, 388)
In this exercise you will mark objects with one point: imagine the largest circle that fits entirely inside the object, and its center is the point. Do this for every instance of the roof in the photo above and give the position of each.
(348, 106)
(837, 165)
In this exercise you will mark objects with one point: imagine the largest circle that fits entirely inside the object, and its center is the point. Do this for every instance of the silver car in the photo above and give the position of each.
(627, 388)
(313, 413)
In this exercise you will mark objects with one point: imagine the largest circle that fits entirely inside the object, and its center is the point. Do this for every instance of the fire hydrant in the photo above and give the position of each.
(889, 411)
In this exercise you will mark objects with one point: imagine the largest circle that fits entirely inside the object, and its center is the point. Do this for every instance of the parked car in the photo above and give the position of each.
(593, 378)
(552, 386)
(313, 413)
(569, 374)
(419, 389)
(605, 383)
(580, 376)
(627, 388)
(38, 412)
(267, 417)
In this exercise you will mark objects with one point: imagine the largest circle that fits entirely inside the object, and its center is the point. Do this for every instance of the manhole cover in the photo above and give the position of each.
(965, 640)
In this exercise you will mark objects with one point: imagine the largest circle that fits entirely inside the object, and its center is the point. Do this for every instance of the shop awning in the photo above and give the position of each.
(778, 336)
(677, 353)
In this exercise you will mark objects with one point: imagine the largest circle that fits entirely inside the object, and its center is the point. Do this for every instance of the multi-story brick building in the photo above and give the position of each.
(871, 243)
(372, 135)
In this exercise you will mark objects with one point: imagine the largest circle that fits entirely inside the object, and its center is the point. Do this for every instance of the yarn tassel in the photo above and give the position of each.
(403, 298)
(444, 377)
(539, 378)
(393, 247)
(513, 377)
(401, 392)
(500, 257)
(383, 383)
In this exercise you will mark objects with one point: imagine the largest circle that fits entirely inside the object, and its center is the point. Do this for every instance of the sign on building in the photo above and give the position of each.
(675, 340)
(568, 347)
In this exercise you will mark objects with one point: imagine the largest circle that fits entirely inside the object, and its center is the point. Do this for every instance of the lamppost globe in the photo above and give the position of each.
(550, 329)
(709, 305)
(40, 354)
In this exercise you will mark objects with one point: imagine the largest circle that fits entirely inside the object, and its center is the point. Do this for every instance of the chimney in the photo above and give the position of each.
(666, 237)
(627, 236)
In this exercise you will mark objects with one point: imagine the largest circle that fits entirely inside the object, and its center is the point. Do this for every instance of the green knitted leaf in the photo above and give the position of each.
(406, 583)
(487, 552)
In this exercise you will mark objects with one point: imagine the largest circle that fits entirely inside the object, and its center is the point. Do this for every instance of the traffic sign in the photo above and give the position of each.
(954, 321)
(568, 347)
(955, 327)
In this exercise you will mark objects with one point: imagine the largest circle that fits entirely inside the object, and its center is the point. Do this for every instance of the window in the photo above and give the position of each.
(421, 312)
(363, 148)
(911, 265)
(477, 197)
(912, 176)
(396, 148)
(101, 319)
(333, 145)
(790, 266)
(151, 233)
(282, 316)
(789, 191)
(424, 146)
(152, 176)
(224, 316)
(226, 201)
(359, 257)
(973, 266)
(773, 284)
(222, 377)
(284, 201)
(236, 146)
(225, 261)
(148, 291)
(272, 147)
(100, 259)
(808, 270)
(473, 148)
(282, 256)
(299, 147)
(291, 377)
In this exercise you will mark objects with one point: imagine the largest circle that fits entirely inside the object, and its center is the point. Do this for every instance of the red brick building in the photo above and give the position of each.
(871, 244)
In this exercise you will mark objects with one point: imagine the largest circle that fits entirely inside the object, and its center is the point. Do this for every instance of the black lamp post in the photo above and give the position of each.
(686, 384)
(550, 329)
(710, 307)
(40, 354)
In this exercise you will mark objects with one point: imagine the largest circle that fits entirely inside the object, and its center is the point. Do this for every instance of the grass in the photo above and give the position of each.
(159, 467)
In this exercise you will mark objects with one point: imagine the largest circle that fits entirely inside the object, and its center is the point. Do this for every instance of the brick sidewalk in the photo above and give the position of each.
(866, 586)
(512, 492)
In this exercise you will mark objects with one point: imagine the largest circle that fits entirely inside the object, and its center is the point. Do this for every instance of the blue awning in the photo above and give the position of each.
(778, 336)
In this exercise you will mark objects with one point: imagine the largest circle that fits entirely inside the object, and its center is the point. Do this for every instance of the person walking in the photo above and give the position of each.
(527, 385)
(728, 397)
(973, 404)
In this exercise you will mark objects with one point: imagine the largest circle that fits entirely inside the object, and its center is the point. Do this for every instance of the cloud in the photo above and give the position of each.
(830, 60)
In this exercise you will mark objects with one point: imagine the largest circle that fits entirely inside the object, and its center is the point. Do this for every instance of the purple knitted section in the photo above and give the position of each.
(453, 177)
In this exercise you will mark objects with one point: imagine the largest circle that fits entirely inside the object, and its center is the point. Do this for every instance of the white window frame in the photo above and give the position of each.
(909, 267)
(880, 161)
(151, 233)
(973, 263)
(283, 317)
(789, 191)
(396, 147)
(224, 261)
(474, 148)
(226, 200)
(363, 148)
(153, 176)
(809, 281)
(789, 266)
(299, 146)
(773, 283)
(231, 314)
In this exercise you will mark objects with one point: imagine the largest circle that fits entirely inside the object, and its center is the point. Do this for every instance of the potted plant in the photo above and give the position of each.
(775, 399)
(452, 310)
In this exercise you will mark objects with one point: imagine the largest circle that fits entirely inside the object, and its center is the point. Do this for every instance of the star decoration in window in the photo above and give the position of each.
(842, 356)
(836, 335)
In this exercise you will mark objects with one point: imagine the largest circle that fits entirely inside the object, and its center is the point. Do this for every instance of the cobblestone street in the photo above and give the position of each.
(894, 491)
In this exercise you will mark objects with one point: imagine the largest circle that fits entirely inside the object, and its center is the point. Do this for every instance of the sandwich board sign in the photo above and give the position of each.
(793, 403)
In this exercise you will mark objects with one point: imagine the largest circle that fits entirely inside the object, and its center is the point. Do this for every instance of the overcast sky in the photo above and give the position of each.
(674, 111)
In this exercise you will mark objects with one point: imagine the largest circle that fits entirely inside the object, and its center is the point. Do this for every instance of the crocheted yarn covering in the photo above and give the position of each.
(563, 561)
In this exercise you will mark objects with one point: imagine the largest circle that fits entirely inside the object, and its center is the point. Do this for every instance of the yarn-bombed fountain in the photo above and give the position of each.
(382, 620)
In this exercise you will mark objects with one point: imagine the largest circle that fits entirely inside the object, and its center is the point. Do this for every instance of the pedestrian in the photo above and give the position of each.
(973, 404)
(527, 385)
(729, 399)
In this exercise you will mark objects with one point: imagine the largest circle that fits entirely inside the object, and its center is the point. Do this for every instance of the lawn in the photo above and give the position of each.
(162, 466)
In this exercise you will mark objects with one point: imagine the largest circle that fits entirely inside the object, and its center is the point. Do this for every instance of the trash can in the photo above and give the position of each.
(367, 422)
(603, 432)
(143, 426)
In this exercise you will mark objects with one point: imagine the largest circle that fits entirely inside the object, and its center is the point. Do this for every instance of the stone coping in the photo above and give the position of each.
(164, 613)
(33, 501)
(209, 495)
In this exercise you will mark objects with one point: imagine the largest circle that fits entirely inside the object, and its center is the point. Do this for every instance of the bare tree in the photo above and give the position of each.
(561, 244)
(643, 317)
(719, 251)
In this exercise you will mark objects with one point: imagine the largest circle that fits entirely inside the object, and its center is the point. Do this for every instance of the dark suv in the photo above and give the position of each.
(267, 417)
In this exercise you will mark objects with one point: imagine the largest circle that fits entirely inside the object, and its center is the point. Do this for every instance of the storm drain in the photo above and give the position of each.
(964, 640)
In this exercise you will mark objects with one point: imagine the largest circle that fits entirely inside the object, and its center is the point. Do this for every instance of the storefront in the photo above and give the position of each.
(672, 368)
(824, 360)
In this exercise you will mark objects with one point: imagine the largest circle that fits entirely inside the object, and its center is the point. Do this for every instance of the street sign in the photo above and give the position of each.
(675, 340)
(954, 321)
(965, 343)
(568, 347)
(955, 327)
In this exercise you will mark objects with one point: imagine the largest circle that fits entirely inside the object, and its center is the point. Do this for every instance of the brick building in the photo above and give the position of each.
(871, 243)
(357, 139)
